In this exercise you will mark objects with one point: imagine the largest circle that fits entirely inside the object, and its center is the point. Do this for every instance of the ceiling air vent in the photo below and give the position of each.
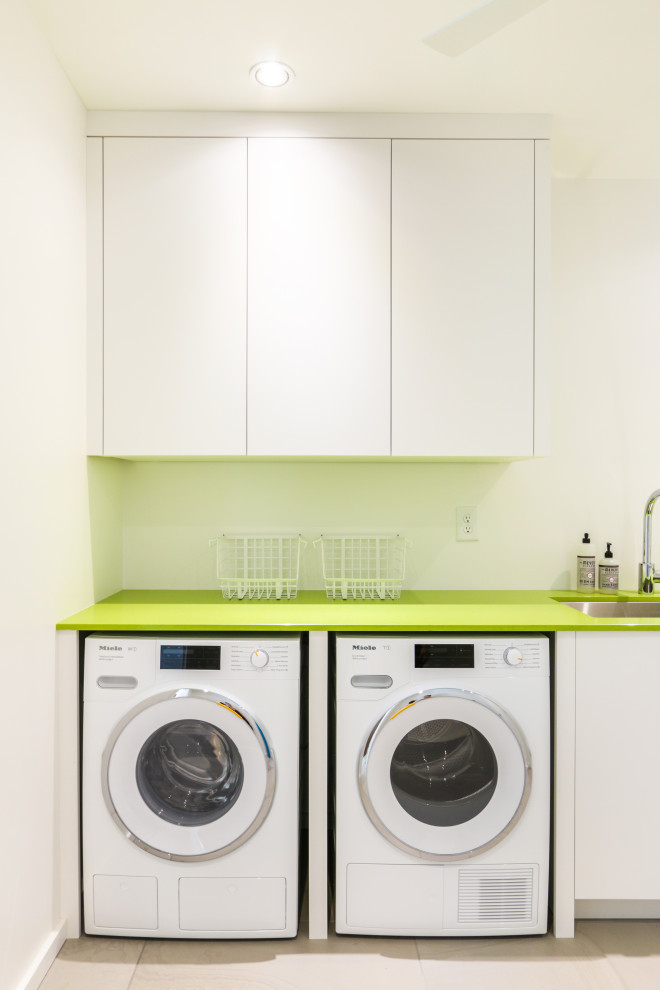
(496, 894)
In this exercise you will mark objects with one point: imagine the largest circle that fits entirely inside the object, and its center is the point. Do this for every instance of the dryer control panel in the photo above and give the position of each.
(368, 665)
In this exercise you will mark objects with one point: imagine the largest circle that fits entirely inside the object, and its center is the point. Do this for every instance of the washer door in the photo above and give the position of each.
(445, 774)
(188, 775)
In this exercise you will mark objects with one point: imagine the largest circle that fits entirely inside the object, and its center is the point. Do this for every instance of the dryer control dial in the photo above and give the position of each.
(513, 656)
(259, 659)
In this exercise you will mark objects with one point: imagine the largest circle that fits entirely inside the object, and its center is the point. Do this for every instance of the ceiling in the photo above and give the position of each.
(592, 64)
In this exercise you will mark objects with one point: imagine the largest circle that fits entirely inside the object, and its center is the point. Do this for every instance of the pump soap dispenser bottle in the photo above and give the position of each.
(608, 573)
(586, 567)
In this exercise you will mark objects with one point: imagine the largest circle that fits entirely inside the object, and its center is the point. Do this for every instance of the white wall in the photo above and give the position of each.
(45, 559)
(605, 444)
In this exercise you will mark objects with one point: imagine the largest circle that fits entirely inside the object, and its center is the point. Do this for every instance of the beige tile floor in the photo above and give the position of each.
(604, 955)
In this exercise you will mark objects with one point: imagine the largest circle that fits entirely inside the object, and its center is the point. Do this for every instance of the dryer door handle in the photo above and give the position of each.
(371, 681)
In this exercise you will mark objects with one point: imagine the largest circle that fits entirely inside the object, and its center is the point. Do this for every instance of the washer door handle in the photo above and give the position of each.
(112, 681)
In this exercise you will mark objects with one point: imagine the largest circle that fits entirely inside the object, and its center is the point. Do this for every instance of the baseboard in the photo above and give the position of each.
(43, 959)
(617, 909)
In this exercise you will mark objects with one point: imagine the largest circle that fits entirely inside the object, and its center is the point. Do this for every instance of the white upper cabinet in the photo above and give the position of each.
(463, 298)
(314, 288)
(174, 296)
(318, 296)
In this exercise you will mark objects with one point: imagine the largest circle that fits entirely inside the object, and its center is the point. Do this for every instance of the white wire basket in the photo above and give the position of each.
(251, 566)
(363, 566)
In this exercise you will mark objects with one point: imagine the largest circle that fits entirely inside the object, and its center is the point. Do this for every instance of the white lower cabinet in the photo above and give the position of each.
(617, 782)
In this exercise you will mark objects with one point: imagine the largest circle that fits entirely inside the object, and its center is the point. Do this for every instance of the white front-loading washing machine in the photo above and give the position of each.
(190, 785)
(442, 784)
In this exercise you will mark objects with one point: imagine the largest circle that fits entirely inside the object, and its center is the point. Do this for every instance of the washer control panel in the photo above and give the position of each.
(118, 664)
(251, 657)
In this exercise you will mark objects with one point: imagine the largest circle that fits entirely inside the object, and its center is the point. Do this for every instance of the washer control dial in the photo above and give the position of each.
(259, 659)
(513, 656)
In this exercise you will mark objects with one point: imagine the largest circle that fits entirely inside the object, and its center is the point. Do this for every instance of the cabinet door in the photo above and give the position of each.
(319, 296)
(174, 296)
(617, 770)
(462, 298)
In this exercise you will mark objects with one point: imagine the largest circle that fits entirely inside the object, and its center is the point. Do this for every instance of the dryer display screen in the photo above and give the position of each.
(189, 656)
(444, 655)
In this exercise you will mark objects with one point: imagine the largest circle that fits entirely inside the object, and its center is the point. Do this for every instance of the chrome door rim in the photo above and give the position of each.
(214, 698)
(407, 703)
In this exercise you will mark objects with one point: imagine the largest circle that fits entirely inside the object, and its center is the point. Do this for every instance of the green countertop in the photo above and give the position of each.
(466, 611)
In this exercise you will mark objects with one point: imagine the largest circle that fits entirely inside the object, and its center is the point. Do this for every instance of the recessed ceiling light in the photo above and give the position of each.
(272, 74)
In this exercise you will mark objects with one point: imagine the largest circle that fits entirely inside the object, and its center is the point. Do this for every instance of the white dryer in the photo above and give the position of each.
(190, 785)
(442, 784)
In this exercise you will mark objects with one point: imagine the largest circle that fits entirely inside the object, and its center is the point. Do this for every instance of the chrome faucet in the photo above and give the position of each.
(647, 572)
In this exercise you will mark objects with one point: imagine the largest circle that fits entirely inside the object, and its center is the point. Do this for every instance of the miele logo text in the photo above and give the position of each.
(364, 647)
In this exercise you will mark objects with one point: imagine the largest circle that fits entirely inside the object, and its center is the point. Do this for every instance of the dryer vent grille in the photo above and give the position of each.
(496, 895)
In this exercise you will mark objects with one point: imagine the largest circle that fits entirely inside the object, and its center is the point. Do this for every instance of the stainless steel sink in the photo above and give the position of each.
(617, 610)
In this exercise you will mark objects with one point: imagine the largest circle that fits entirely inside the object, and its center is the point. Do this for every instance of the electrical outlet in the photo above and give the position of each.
(467, 522)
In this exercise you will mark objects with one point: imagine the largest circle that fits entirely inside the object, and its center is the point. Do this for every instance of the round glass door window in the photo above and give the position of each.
(443, 772)
(189, 772)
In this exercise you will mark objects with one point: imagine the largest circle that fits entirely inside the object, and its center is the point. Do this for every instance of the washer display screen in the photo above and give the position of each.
(189, 656)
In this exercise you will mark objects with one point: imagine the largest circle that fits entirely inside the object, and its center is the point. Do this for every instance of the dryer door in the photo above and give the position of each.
(445, 774)
(188, 775)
